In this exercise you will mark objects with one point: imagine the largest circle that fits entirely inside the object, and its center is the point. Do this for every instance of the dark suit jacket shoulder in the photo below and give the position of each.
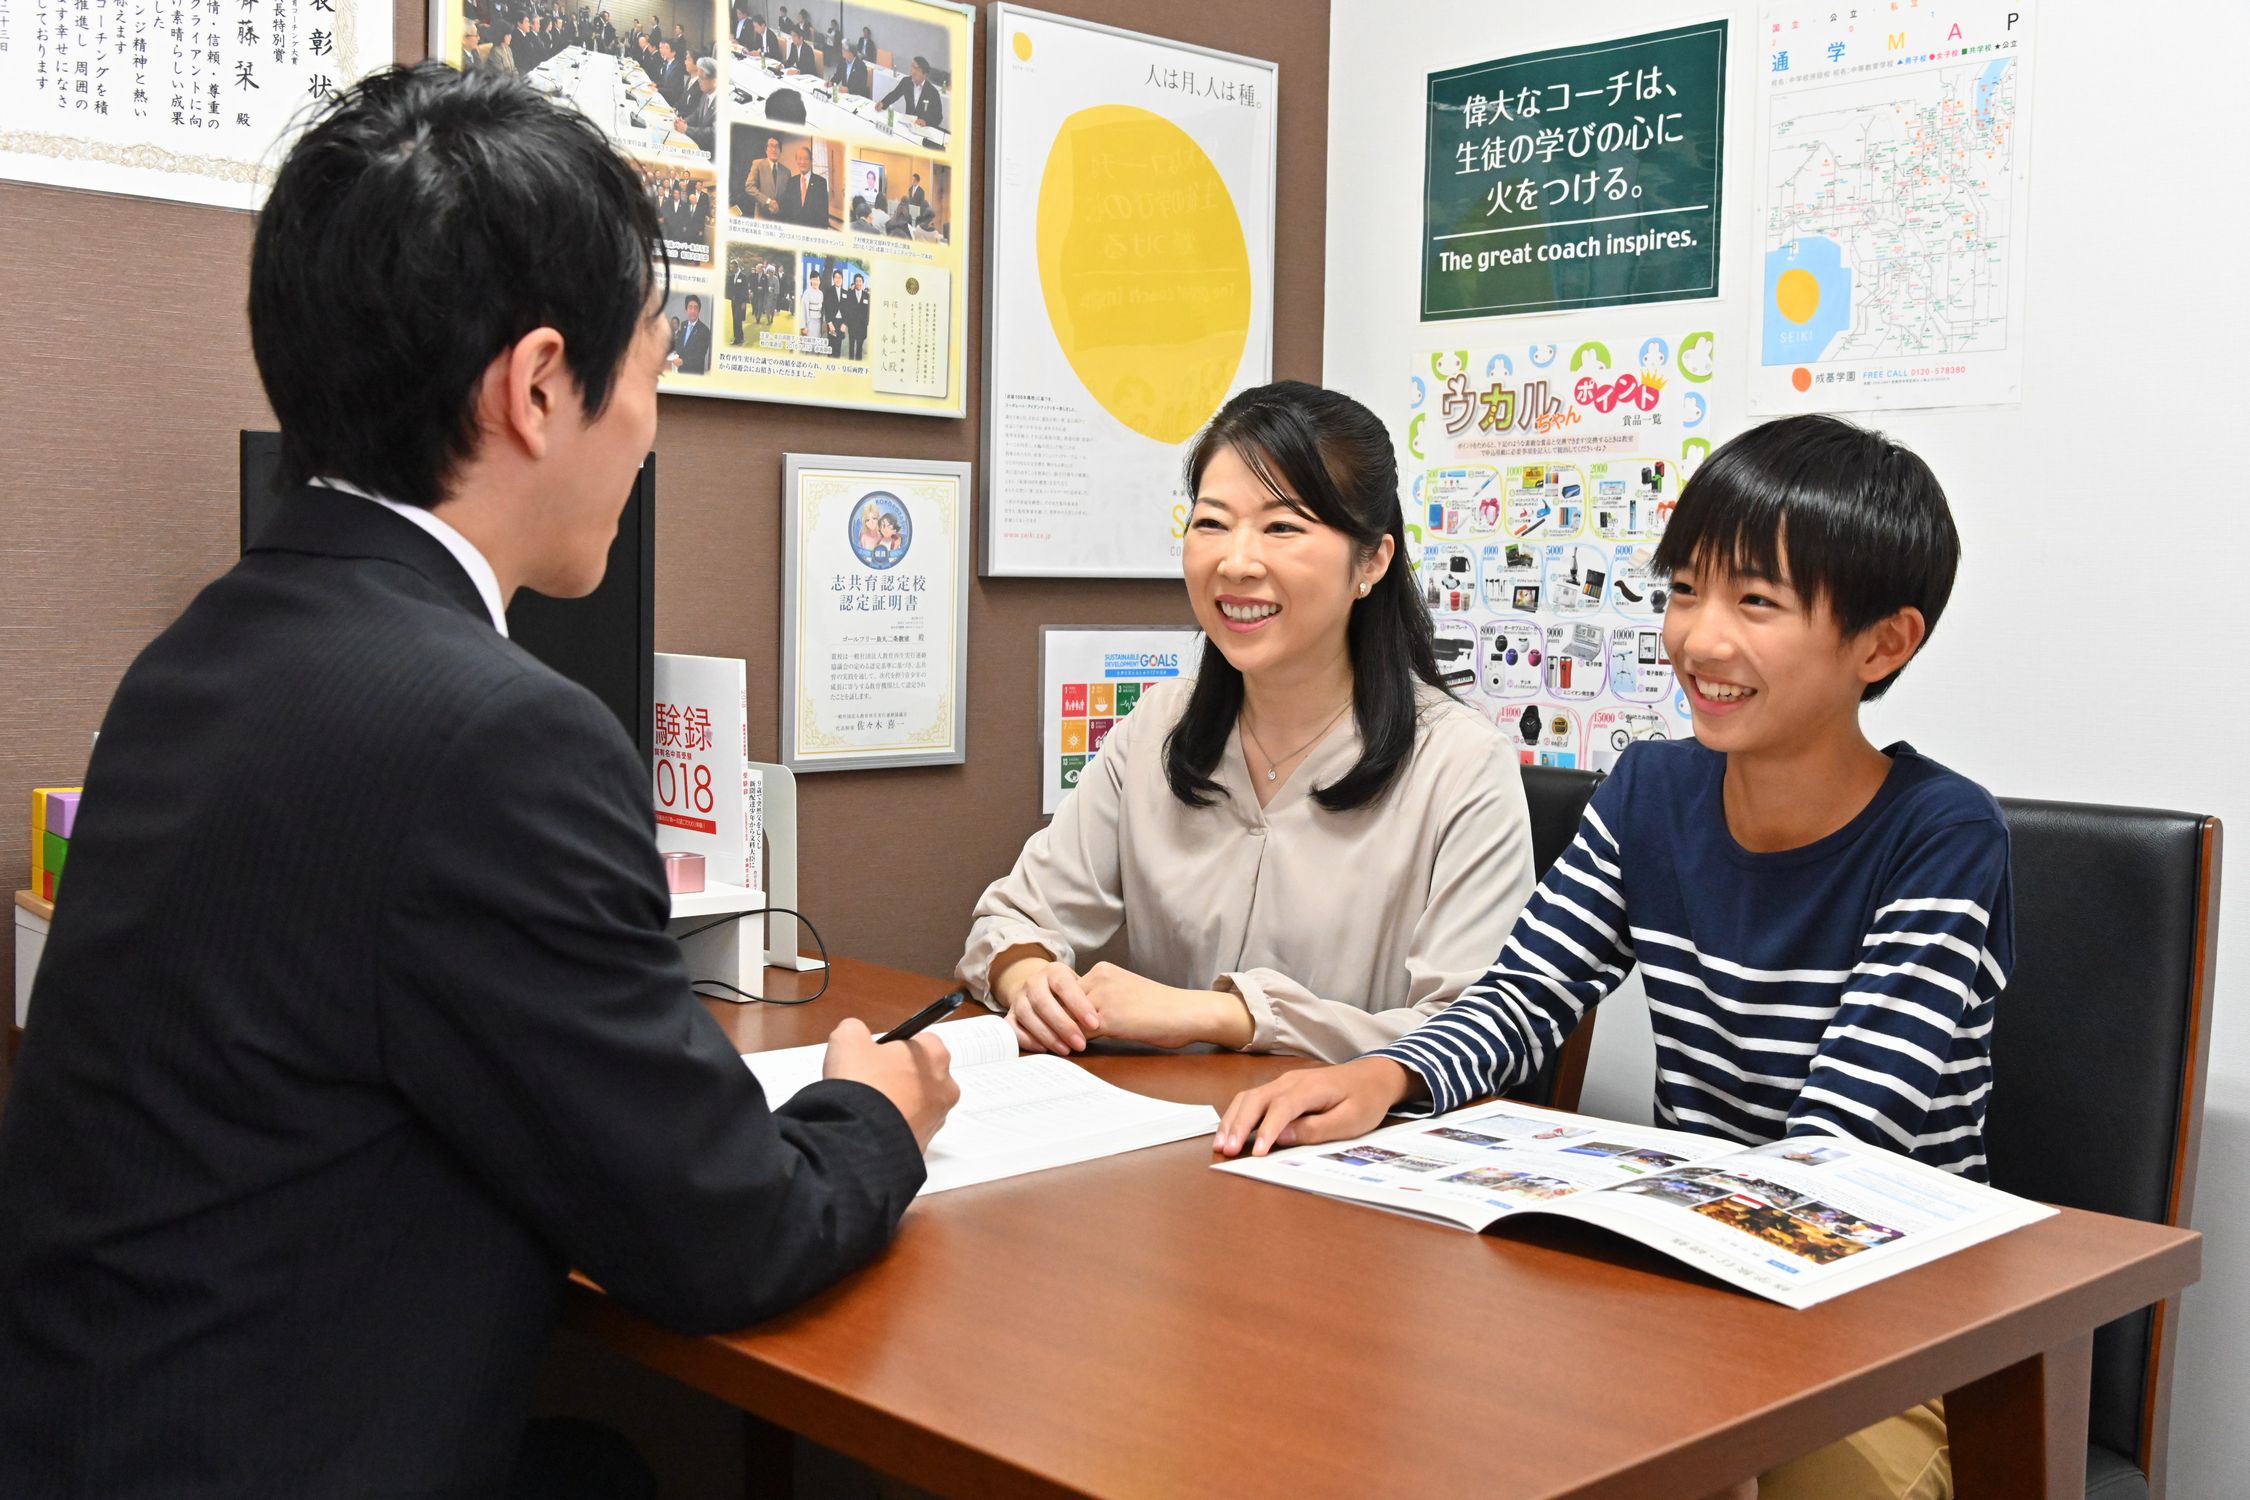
(358, 1025)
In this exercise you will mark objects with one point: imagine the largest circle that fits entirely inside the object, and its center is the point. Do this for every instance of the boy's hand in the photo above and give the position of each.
(1313, 1104)
(916, 1074)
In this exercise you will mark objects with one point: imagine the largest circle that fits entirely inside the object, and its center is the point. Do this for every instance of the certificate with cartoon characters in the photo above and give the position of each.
(875, 619)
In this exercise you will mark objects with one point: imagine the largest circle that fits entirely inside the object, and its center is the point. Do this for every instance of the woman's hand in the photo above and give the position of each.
(1055, 1009)
(1136, 1009)
(1051, 1011)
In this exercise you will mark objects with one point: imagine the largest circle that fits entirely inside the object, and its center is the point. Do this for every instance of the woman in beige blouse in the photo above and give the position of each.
(1310, 846)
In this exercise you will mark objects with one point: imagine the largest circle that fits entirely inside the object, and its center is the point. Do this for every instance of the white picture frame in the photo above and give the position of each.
(874, 654)
(1084, 438)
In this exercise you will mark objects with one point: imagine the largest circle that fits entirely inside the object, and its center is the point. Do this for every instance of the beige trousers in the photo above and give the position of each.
(1902, 1458)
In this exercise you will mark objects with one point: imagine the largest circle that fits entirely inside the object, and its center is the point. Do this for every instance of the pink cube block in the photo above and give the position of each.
(62, 813)
(683, 873)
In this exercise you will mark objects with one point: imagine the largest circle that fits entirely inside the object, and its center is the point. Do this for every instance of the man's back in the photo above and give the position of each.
(357, 1024)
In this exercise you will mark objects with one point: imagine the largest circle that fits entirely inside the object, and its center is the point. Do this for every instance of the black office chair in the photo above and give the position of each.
(2098, 1052)
(1558, 798)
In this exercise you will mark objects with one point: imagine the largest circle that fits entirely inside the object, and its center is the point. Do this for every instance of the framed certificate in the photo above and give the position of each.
(875, 615)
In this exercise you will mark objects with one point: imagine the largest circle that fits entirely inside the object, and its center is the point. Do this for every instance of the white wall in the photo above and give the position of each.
(2116, 490)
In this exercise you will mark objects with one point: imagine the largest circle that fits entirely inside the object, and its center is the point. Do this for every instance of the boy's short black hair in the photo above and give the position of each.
(425, 221)
(1860, 521)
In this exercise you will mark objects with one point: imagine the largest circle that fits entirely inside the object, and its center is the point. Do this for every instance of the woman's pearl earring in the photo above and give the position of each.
(1363, 590)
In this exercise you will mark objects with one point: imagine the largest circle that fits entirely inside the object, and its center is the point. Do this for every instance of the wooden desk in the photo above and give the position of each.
(1144, 1327)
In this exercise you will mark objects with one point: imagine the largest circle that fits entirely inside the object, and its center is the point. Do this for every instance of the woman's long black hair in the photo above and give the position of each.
(1328, 459)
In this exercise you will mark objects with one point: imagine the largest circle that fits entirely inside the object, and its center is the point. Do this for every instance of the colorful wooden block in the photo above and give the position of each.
(39, 871)
(62, 812)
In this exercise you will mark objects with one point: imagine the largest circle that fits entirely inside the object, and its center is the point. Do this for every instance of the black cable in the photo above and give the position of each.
(735, 992)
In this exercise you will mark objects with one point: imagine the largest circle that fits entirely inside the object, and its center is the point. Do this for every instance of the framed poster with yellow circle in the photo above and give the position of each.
(1129, 284)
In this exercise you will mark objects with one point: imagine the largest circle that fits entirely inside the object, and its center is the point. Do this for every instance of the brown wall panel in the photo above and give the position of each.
(125, 360)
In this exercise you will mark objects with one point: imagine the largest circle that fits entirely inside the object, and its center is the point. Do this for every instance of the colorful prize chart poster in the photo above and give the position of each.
(814, 197)
(1129, 285)
(1090, 677)
(1894, 171)
(1542, 475)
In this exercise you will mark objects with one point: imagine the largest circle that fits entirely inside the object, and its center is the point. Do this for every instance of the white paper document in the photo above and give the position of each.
(1798, 1221)
(1017, 1114)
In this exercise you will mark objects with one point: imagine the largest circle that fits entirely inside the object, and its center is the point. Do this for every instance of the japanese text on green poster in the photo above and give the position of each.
(1576, 177)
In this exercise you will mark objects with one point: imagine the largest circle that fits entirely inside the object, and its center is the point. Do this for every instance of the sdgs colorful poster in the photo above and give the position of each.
(1129, 285)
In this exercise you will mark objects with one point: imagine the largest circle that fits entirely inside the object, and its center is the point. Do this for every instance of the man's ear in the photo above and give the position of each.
(525, 389)
(1888, 644)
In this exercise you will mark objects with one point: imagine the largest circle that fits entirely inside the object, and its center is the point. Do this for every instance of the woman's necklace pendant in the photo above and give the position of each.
(1272, 774)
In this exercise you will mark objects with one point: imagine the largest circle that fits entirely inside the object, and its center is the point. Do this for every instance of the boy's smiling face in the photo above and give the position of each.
(1765, 669)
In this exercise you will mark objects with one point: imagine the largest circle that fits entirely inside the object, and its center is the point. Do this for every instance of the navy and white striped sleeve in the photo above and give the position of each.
(1569, 949)
(1906, 1063)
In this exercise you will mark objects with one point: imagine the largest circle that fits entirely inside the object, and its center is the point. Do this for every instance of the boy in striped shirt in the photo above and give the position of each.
(1822, 927)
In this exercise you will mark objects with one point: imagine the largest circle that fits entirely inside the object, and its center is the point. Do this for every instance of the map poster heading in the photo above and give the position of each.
(1894, 169)
(1577, 177)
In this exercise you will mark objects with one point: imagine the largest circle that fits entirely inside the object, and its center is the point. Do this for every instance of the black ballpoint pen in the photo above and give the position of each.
(936, 1010)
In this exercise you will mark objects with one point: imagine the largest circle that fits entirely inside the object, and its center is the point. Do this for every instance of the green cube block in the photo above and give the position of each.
(53, 849)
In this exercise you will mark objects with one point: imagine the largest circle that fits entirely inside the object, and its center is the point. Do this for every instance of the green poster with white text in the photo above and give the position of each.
(1583, 176)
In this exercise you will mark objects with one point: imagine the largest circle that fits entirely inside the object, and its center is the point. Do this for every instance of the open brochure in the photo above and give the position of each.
(1798, 1221)
(1017, 1114)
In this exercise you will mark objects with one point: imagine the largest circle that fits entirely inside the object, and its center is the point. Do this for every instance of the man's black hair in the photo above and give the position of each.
(1860, 521)
(425, 221)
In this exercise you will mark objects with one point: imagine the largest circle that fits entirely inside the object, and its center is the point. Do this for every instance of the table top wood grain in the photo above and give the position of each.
(1142, 1326)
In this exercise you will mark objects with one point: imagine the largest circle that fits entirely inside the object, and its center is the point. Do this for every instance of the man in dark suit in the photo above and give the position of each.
(919, 95)
(671, 76)
(693, 352)
(359, 1025)
(856, 308)
(805, 200)
(916, 201)
(739, 279)
(852, 75)
(699, 118)
(799, 57)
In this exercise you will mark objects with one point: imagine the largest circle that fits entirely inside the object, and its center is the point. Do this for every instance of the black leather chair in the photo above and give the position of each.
(2098, 1052)
(1557, 797)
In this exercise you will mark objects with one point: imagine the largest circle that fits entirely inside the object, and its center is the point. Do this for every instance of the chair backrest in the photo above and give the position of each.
(2098, 1051)
(1557, 798)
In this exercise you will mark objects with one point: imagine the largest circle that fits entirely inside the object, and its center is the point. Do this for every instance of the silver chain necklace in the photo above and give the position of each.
(1273, 767)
